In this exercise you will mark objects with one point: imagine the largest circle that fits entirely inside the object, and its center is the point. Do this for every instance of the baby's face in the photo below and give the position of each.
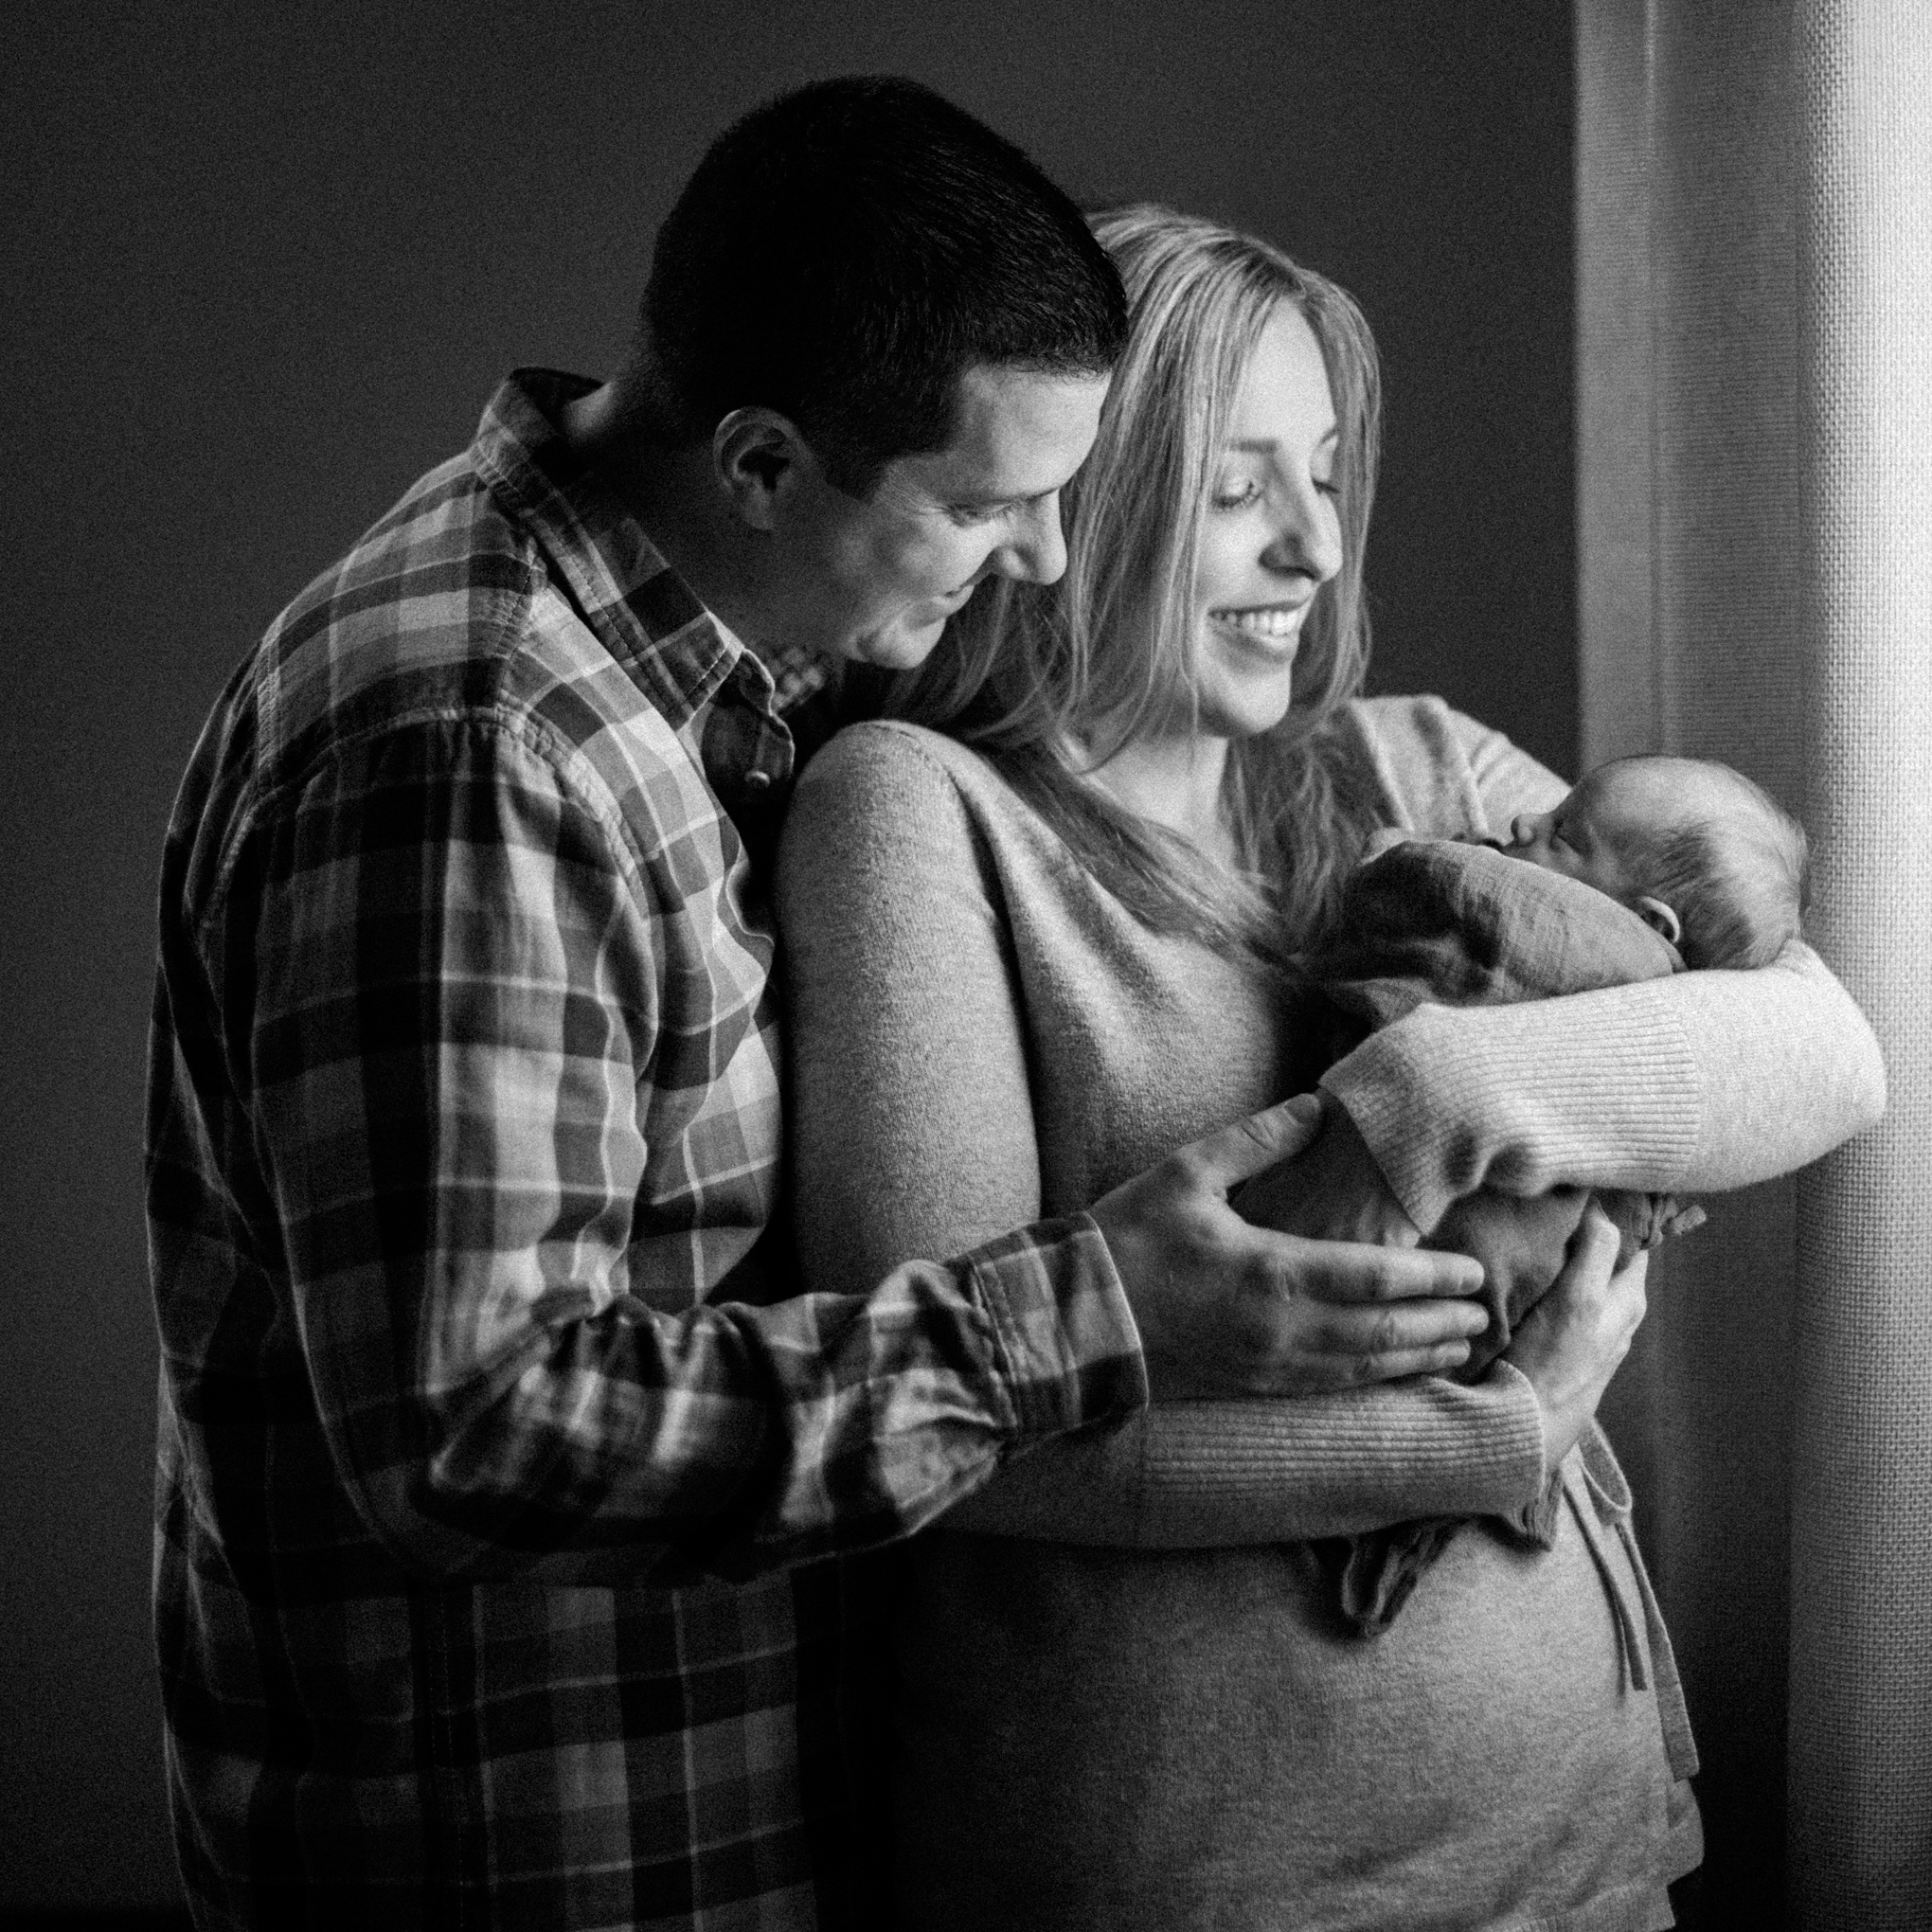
(1591, 834)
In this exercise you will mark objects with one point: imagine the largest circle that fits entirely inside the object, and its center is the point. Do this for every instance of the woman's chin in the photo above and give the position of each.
(1237, 717)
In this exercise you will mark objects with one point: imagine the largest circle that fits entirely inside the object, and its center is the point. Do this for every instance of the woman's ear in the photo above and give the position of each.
(1658, 916)
(760, 459)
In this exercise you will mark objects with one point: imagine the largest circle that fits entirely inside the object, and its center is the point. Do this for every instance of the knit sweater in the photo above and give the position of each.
(1178, 1736)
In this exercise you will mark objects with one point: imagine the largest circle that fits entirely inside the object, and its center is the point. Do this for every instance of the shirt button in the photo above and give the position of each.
(758, 782)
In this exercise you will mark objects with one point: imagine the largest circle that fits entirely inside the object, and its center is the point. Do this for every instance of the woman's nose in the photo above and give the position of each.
(1308, 537)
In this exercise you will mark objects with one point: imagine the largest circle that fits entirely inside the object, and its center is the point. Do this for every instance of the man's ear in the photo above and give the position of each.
(1655, 913)
(760, 459)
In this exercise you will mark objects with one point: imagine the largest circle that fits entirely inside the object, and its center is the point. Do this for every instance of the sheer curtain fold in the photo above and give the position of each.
(1861, 1662)
(1755, 504)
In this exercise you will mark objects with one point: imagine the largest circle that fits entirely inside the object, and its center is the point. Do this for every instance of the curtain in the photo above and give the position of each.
(1754, 284)
(1861, 1646)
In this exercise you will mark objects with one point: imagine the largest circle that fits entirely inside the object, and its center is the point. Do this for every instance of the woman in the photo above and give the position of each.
(1036, 939)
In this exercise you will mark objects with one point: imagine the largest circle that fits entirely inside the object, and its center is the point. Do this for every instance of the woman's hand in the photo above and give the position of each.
(1226, 1308)
(1575, 1339)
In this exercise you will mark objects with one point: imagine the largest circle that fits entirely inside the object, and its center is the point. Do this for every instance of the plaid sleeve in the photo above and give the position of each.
(453, 982)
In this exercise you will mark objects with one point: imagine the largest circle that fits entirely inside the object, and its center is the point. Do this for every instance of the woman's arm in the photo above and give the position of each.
(1700, 1082)
(1204, 1475)
(913, 1133)
(1703, 1082)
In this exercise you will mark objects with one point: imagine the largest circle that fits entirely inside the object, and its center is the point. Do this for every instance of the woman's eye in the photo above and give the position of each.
(1233, 496)
(978, 513)
(1328, 485)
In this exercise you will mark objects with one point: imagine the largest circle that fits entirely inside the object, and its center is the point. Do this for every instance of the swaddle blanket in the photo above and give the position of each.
(1465, 924)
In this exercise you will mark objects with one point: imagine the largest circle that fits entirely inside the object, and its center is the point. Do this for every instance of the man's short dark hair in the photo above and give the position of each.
(844, 252)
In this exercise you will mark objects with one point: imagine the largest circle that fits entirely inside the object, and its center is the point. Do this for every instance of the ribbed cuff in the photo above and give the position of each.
(1342, 1464)
(1594, 1090)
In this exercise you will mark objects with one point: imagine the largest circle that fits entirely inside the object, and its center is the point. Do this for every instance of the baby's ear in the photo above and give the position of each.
(1656, 914)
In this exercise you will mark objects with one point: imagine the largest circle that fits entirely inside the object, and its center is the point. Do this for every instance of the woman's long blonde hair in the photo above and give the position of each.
(1050, 680)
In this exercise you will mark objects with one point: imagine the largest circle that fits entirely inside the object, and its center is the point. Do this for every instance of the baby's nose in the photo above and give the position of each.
(1523, 829)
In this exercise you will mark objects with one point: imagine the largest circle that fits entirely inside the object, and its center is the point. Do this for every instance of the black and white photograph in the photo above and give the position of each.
(968, 966)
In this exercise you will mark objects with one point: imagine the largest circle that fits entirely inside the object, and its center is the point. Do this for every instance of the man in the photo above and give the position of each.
(493, 1428)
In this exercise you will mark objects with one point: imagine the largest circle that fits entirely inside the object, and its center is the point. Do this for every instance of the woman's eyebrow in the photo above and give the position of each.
(1267, 445)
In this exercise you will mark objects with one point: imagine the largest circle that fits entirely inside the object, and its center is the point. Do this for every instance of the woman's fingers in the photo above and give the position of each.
(1594, 1254)
(1573, 1341)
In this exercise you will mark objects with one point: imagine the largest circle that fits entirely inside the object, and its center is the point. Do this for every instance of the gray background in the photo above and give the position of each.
(263, 266)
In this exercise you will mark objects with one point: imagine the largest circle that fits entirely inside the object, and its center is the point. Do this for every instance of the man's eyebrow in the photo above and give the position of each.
(997, 498)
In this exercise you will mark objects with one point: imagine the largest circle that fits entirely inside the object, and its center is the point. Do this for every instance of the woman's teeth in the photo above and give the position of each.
(1278, 621)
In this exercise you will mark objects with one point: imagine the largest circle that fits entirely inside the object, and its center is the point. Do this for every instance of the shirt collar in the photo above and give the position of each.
(639, 608)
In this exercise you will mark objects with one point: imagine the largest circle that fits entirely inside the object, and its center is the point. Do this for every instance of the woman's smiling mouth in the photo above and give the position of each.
(1264, 623)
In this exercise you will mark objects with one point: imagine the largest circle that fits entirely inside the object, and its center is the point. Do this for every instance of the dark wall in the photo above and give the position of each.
(265, 264)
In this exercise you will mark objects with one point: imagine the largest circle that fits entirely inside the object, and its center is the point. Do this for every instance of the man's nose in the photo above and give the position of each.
(1037, 551)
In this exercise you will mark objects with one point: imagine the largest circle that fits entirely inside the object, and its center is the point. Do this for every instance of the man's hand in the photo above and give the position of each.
(1226, 1308)
(1575, 1339)
(1332, 1191)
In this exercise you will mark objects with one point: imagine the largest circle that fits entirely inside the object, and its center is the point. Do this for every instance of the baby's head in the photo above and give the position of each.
(1695, 848)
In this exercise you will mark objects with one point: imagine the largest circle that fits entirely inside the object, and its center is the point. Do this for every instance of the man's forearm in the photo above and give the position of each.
(733, 1439)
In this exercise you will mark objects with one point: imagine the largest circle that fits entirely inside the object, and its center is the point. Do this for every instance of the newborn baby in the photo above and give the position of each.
(1695, 850)
(1660, 865)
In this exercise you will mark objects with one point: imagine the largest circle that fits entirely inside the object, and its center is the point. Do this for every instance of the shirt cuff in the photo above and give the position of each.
(1069, 1351)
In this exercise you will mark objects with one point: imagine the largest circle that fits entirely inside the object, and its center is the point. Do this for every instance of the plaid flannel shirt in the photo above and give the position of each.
(491, 1415)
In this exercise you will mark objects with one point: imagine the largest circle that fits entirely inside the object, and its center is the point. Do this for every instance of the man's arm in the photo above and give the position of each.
(450, 997)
